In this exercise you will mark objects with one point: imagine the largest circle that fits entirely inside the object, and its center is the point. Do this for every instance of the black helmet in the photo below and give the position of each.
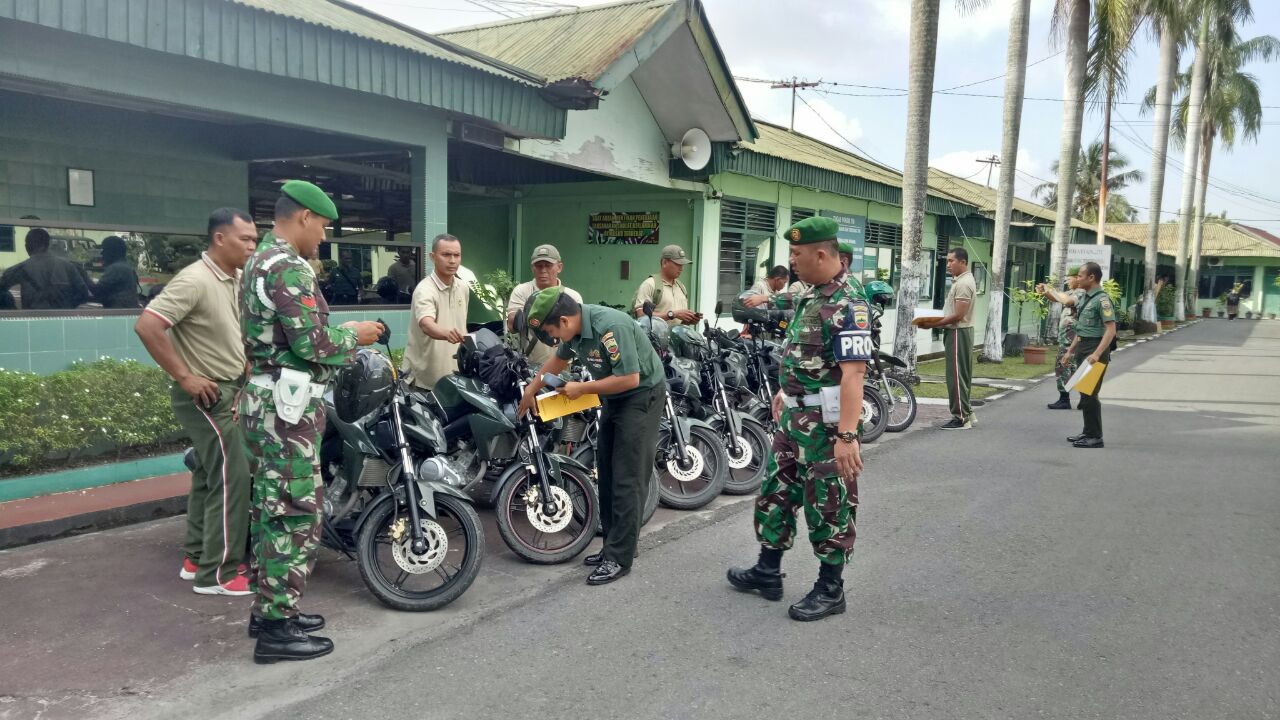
(760, 315)
(363, 386)
(473, 346)
(687, 342)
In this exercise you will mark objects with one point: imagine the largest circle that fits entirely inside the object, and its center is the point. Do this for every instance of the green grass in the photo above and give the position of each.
(939, 390)
(1012, 368)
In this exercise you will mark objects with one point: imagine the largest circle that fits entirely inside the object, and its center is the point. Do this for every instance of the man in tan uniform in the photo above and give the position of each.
(546, 266)
(439, 316)
(192, 330)
(669, 297)
(957, 326)
(773, 283)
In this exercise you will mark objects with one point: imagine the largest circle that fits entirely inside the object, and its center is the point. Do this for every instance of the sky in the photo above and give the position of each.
(865, 42)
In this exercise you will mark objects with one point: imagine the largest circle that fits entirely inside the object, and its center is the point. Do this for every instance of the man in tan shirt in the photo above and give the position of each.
(546, 266)
(669, 297)
(192, 330)
(957, 326)
(439, 316)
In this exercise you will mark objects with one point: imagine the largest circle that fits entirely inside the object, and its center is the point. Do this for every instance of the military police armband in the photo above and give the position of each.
(852, 346)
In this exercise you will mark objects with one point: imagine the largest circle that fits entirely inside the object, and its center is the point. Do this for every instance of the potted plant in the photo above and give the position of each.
(1222, 304)
(1165, 306)
(1034, 352)
(1124, 324)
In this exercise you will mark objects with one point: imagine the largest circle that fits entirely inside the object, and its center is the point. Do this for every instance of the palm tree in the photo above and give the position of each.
(1089, 190)
(1232, 110)
(1115, 22)
(915, 170)
(1073, 16)
(1170, 18)
(1015, 82)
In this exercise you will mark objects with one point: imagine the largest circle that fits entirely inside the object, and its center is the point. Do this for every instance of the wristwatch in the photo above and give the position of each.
(847, 437)
(671, 314)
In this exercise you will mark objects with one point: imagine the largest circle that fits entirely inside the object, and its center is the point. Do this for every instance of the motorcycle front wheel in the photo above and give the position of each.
(539, 537)
(875, 414)
(700, 478)
(747, 464)
(903, 412)
(404, 580)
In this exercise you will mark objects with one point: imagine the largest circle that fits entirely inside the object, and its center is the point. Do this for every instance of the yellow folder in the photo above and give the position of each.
(1086, 377)
(552, 405)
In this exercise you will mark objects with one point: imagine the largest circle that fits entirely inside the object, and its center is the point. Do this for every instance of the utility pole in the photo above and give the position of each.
(793, 85)
(991, 163)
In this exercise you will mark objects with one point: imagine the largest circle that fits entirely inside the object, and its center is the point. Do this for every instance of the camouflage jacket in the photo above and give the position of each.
(284, 320)
(823, 312)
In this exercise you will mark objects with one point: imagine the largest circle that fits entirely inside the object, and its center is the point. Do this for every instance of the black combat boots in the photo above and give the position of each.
(306, 623)
(1064, 402)
(766, 576)
(826, 597)
(284, 640)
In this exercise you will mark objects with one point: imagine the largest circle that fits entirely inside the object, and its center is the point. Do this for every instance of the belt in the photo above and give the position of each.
(266, 381)
(814, 400)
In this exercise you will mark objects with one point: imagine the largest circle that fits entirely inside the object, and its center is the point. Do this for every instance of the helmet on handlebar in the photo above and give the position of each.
(687, 342)
(362, 386)
(657, 331)
(878, 292)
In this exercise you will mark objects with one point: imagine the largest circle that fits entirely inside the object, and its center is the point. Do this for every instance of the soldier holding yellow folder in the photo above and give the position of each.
(1096, 329)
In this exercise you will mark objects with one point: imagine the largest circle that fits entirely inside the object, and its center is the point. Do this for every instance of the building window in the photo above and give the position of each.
(884, 234)
(798, 214)
(980, 277)
(745, 227)
(1216, 281)
(6, 238)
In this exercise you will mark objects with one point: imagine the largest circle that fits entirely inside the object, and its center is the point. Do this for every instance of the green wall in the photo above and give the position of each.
(483, 227)
(149, 171)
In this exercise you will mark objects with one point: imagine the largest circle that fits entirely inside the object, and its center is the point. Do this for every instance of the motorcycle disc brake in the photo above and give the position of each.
(402, 547)
(538, 516)
(686, 474)
(744, 455)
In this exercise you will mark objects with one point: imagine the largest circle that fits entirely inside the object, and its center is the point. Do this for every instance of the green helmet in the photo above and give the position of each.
(878, 292)
(687, 342)
(657, 332)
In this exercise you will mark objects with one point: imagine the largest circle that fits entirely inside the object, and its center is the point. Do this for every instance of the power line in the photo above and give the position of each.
(866, 154)
(1001, 75)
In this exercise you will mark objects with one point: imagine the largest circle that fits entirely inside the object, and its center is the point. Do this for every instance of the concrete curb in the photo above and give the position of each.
(92, 522)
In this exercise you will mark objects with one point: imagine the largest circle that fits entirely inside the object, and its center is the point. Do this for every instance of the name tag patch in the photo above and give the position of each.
(852, 345)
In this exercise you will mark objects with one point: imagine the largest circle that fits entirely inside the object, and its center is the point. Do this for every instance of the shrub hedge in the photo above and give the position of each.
(86, 409)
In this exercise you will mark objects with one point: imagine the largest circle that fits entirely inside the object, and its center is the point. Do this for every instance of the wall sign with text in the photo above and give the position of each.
(622, 228)
(853, 228)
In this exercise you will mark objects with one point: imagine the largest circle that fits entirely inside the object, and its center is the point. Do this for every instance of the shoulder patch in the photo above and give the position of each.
(611, 346)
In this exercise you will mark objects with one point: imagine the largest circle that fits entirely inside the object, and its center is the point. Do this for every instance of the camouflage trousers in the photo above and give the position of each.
(802, 473)
(1065, 364)
(284, 519)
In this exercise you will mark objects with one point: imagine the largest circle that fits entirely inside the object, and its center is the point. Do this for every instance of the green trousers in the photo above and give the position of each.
(958, 344)
(218, 506)
(627, 445)
(1090, 407)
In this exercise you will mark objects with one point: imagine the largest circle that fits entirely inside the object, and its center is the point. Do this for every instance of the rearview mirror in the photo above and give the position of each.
(648, 308)
(719, 307)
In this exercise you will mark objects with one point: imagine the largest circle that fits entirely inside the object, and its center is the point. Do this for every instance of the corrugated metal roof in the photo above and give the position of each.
(777, 141)
(1219, 240)
(984, 198)
(363, 23)
(567, 44)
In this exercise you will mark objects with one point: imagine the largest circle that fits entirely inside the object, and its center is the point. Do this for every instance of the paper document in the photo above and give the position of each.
(552, 405)
(1085, 380)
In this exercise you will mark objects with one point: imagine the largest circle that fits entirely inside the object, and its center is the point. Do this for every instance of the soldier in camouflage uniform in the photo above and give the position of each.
(285, 324)
(815, 459)
(1065, 363)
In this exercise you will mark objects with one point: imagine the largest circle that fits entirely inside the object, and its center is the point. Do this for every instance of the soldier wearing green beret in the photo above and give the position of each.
(815, 459)
(292, 353)
(628, 376)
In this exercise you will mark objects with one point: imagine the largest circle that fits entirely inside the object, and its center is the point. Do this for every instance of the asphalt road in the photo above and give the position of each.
(999, 573)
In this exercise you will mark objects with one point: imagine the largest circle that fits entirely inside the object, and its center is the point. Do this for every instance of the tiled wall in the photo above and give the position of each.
(47, 345)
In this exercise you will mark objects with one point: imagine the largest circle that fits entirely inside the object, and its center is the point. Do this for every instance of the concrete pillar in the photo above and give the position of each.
(429, 192)
(706, 222)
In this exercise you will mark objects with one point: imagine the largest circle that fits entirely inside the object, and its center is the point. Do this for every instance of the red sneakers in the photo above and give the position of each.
(188, 571)
(239, 585)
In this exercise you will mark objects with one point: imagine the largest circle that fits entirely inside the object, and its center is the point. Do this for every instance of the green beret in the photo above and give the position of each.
(1073, 271)
(541, 304)
(310, 197)
(847, 247)
(812, 230)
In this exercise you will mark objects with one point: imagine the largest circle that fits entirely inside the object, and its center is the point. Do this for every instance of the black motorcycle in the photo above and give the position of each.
(691, 461)
(391, 500)
(746, 440)
(546, 503)
(890, 377)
